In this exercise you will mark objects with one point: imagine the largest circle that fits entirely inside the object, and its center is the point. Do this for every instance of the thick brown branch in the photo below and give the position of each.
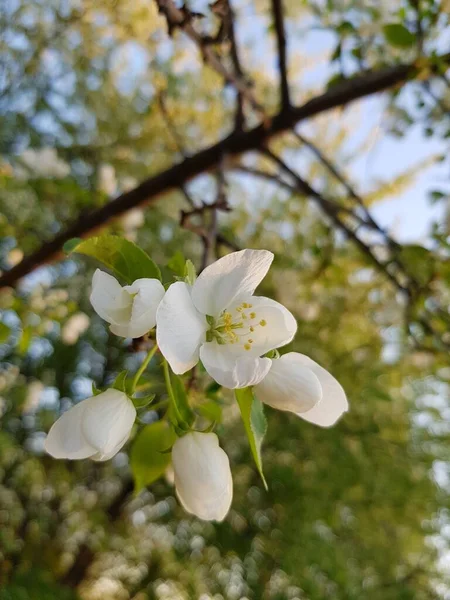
(205, 160)
(277, 9)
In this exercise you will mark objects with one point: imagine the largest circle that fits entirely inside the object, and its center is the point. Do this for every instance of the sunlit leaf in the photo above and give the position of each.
(397, 35)
(124, 258)
(148, 457)
(255, 424)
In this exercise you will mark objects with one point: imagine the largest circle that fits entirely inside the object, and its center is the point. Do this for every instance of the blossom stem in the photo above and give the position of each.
(167, 380)
(170, 391)
(142, 368)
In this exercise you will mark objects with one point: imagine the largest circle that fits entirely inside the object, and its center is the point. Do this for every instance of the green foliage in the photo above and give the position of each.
(149, 458)
(5, 332)
(397, 35)
(360, 510)
(124, 258)
(255, 424)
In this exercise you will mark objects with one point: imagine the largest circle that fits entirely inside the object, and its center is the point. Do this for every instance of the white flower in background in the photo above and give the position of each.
(130, 310)
(131, 222)
(44, 162)
(75, 326)
(107, 181)
(34, 392)
(219, 321)
(96, 428)
(298, 384)
(202, 476)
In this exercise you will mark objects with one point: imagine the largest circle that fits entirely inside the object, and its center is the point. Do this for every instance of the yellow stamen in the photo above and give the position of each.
(247, 346)
(263, 323)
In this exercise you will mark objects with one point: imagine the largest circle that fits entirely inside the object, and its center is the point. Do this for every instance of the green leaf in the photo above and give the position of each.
(181, 412)
(148, 457)
(211, 410)
(255, 424)
(190, 273)
(398, 36)
(95, 390)
(25, 339)
(419, 262)
(177, 264)
(120, 382)
(125, 259)
(70, 245)
(143, 401)
(5, 332)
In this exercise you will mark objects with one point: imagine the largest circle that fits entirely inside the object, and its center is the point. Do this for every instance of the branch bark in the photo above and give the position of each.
(277, 9)
(366, 84)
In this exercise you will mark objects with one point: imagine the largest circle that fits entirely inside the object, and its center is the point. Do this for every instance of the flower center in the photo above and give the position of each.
(235, 326)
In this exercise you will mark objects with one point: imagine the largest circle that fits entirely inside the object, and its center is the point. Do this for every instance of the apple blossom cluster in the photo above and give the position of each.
(217, 320)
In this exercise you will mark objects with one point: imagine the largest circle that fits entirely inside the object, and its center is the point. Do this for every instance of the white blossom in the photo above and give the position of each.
(95, 428)
(130, 310)
(202, 476)
(220, 321)
(298, 384)
(75, 326)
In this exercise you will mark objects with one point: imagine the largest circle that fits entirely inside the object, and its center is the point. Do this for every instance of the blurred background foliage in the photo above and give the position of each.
(95, 97)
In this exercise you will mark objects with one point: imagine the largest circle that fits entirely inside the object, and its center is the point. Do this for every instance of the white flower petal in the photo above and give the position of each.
(107, 420)
(202, 476)
(65, 438)
(100, 457)
(230, 278)
(181, 329)
(267, 325)
(149, 293)
(290, 385)
(120, 330)
(230, 369)
(334, 401)
(107, 296)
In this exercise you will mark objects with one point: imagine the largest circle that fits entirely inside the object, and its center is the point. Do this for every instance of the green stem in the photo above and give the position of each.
(142, 368)
(167, 380)
(170, 390)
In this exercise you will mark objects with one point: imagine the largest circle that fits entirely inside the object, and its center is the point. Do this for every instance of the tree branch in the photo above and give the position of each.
(332, 212)
(238, 142)
(277, 9)
(176, 18)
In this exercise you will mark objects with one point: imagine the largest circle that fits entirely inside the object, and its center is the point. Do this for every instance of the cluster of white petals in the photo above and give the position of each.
(130, 310)
(95, 428)
(220, 322)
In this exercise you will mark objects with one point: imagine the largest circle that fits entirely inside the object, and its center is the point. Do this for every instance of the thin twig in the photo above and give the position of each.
(277, 10)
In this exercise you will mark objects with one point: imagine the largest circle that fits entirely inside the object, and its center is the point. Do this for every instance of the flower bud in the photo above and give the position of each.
(130, 310)
(298, 384)
(202, 476)
(96, 428)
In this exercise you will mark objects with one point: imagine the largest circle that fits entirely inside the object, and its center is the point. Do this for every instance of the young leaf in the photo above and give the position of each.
(120, 382)
(148, 458)
(255, 424)
(177, 263)
(143, 401)
(189, 272)
(398, 36)
(95, 390)
(125, 259)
